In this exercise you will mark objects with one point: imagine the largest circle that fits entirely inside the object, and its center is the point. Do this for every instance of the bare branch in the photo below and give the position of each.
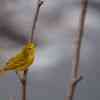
(39, 4)
(76, 78)
(24, 84)
(23, 80)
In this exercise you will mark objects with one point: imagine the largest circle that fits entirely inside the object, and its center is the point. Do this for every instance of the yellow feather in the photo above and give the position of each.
(22, 60)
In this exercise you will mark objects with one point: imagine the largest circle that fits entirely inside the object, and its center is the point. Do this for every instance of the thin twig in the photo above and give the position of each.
(24, 84)
(76, 57)
(23, 80)
(39, 4)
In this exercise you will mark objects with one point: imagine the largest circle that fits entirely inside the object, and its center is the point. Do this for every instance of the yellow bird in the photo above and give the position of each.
(22, 60)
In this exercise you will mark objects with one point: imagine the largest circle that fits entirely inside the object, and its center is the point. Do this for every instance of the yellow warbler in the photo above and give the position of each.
(22, 60)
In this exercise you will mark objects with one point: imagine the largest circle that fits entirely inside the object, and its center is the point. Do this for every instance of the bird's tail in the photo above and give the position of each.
(2, 72)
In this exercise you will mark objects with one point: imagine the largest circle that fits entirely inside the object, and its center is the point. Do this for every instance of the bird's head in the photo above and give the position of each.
(29, 48)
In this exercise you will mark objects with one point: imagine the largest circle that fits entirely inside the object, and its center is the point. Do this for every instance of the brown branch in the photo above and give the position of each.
(24, 85)
(76, 57)
(23, 80)
(39, 4)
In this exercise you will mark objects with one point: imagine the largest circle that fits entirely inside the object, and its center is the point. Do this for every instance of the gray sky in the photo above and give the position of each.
(58, 21)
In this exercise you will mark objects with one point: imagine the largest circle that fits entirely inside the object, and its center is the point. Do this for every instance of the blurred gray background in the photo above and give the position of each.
(49, 75)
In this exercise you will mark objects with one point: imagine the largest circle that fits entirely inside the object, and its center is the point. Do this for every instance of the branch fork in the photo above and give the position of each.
(77, 80)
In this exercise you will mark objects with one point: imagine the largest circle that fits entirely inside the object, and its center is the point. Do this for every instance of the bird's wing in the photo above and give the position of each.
(15, 62)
